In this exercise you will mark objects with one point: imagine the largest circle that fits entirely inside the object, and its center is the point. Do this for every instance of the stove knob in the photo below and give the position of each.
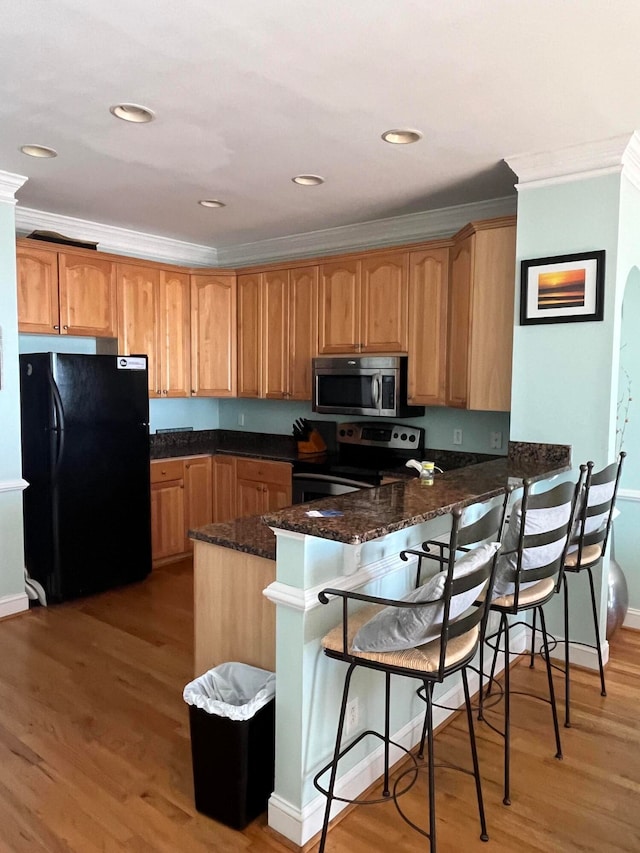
(412, 438)
(395, 435)
(342, 432)
(404, 436)
(349, 432)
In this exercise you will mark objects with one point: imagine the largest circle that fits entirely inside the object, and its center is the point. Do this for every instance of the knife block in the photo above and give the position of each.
(314, 444)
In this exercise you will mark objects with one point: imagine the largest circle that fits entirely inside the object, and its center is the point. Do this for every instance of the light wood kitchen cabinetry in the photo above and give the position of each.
(154, 318)
(428, 290)
(363, 304)
(480, 327)
(213, 335)
(181, 499)
(224, 487)
(167, 509)
(65, 293)
(250, 335)
(261, 486)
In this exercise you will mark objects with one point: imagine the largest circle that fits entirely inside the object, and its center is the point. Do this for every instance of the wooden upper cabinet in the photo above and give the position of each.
(481, 305)
(428, 290)
(138, 317)
(87, 296)
(362, 304)
(38, 305)
(339, 307)
(213, 335)
(250, 288)
(383, 325)
(63, 293)
(174, 333)
(275, 335)
(303, 330)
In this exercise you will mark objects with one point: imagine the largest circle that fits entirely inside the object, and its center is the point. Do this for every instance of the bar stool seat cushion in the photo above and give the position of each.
(529, 595)
(424, 658)
(590, 554)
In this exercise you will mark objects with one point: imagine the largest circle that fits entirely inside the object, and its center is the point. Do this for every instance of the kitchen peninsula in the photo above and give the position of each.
(356, 550)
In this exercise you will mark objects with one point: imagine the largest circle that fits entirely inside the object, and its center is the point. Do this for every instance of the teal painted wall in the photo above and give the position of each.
(11, 541)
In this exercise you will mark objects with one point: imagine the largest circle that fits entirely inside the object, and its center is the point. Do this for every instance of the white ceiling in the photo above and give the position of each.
(249, 93)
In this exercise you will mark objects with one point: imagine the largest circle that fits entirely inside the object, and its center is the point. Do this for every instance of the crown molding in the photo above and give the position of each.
(112, 238)
(393, 231)
(9, 186)
(575, 162)
(631, 160)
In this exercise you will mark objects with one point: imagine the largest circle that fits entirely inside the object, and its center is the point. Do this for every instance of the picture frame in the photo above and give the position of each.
(562, 289)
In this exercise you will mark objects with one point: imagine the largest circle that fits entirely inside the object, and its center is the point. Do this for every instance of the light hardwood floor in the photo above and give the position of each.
(94, 746)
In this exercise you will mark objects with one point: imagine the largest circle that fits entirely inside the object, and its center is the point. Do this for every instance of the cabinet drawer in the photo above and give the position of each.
(163, 470)
(264, 472)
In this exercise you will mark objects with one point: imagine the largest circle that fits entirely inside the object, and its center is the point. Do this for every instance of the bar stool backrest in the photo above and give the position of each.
(596, 502)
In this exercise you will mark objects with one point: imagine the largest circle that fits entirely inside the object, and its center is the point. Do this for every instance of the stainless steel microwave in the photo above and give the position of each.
(362, 385)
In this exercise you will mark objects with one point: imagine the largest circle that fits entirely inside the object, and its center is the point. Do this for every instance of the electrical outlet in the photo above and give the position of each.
(457, 436)
(241, 419)
(496, 440)
(352, 720)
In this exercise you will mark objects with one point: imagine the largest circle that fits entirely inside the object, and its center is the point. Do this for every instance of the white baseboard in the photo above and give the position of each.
(632, 619)
(579, 655)
(12, 604)
(300, 825)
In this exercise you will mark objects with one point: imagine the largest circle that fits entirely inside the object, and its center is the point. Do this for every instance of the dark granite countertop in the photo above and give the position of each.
(282, 448)
(371, 513)
(250, 535)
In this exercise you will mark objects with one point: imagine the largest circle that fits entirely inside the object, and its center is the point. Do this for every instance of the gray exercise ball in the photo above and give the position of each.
(617, 599)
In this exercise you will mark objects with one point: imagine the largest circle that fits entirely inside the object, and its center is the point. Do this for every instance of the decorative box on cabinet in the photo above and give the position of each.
(65, 293)
(480, 327)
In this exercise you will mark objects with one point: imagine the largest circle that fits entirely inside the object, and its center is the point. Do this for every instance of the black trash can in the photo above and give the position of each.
(232, 725)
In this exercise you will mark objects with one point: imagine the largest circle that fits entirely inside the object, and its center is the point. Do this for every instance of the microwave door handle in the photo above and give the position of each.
(376, 385)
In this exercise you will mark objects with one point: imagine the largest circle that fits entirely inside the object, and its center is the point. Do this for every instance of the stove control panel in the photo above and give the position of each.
(384, 435)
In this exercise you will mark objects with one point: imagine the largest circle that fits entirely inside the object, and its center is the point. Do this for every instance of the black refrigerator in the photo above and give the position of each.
(85, 455)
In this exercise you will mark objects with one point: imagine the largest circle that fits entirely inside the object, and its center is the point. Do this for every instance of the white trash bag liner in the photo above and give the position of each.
(234, 690)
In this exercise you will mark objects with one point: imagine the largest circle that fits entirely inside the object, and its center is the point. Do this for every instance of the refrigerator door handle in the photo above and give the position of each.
(59, 424)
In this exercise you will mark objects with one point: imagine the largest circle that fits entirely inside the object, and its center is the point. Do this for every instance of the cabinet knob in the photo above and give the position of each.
(57, 328)
(65, 327)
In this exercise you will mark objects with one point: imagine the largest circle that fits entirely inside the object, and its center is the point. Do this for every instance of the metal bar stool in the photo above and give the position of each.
(429, 634)
(529, 573)
(586, 550)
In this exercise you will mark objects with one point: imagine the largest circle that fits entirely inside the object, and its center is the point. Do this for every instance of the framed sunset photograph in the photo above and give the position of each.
(562, 289)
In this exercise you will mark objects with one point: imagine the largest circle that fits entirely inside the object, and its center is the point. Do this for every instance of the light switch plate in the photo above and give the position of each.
(457, 436)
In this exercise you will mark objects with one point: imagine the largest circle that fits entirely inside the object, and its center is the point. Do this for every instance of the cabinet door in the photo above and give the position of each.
(384, 303)
(275, 334)
(458, 324)
(138, 317)
(492, 305)
(251, 497)
(38, 309)
(213, 335)
(87, 296)
(339, 307)
(167, 508)
(303, 330)
(224, 488)
(198, 494)
(250, 335)
(262, 486)
(428, 279)
(174, 334)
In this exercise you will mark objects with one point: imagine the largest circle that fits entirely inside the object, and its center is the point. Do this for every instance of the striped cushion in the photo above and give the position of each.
(425, 658)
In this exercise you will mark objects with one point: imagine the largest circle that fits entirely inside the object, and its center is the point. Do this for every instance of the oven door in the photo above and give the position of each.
(310, 487)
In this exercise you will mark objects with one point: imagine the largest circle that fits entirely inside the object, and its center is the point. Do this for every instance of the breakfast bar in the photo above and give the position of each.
(358, 548)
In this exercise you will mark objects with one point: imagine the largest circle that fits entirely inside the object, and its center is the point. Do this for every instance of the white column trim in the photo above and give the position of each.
(629, 494)
(13, 485)
(305, 600)
(9, 186)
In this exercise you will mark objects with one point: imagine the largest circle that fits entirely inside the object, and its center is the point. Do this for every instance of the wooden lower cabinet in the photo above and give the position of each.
(181, 499)
(224, 488)
(262, 486)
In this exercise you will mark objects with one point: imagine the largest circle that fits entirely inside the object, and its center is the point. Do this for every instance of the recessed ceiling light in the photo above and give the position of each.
(132, 112)
(211, 202)
(38, 151)
(308, 180)
(401, 137)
